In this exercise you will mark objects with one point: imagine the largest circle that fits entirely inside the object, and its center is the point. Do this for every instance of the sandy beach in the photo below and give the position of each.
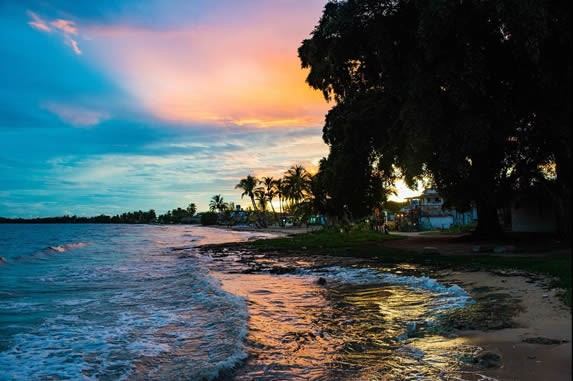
(534, 345)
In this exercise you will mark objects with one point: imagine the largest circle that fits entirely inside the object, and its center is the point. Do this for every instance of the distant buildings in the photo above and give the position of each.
(528, 212)
(427, 212)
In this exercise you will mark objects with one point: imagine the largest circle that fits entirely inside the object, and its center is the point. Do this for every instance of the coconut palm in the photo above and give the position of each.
(280, 192)
(249, 185)
(217, 203)
(297, 182)
(269, 186)
(192, 209)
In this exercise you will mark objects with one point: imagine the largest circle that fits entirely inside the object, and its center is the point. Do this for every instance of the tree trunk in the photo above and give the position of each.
(488, 221)
(563, 169)
(254, 204)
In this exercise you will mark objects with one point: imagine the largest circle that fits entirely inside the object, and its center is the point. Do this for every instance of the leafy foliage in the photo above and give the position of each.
(209, 218)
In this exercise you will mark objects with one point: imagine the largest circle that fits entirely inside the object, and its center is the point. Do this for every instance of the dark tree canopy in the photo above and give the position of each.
(474, 94)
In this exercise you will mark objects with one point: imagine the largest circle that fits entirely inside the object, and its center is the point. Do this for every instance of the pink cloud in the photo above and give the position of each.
(76, 116)
(38, 23)
(66, 26)
(73, 43)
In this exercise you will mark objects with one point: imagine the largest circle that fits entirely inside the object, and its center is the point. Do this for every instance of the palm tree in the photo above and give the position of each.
(297, 183)
(249, 186)
(191, 209)
(262, 199)
(280, 192)
(270, 191)
(217, 203)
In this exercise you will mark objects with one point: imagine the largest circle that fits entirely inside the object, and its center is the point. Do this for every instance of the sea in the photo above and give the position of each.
(144, 302)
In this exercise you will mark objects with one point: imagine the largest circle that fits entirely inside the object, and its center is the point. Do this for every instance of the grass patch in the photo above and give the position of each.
(370, 244)
(363, 243)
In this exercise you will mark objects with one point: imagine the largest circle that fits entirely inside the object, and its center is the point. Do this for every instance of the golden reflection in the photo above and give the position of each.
(300, 330)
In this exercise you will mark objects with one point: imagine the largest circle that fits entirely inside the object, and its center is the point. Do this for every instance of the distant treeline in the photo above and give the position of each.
(136, 217)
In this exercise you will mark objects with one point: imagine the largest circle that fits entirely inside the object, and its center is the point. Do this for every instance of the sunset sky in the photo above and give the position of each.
(109, 106)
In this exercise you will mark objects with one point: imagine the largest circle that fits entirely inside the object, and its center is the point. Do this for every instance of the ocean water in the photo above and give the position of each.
(141, 302)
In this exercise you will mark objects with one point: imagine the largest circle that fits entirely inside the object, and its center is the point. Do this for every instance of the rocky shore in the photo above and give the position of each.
(521, 329)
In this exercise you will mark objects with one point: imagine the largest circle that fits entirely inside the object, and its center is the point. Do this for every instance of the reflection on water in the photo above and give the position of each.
(302, 330)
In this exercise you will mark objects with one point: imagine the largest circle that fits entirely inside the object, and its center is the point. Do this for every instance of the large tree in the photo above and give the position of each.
(474, 94)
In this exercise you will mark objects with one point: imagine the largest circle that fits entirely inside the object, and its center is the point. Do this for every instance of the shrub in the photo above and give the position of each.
(209, 218)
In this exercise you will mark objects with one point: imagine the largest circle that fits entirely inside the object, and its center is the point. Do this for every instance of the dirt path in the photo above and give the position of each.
(462, 244)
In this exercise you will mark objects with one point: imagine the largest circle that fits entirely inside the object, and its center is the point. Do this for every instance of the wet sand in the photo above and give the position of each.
(542, 319)
(537, 344)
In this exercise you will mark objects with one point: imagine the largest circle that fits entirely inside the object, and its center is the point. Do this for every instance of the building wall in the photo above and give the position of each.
(436, 222)
(533, 218)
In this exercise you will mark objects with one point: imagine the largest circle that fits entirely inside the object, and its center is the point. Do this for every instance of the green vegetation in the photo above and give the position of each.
(209, 218)
(136, 217)
(369, 244)
(178, 215)
(330, 241)
(174, 216)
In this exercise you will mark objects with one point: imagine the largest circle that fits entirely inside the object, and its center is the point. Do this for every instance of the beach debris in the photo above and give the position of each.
(543, 341)
(321, 281)
(3, 260)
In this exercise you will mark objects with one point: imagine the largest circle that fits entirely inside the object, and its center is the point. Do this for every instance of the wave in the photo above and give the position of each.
(448, 297)
(67, 247)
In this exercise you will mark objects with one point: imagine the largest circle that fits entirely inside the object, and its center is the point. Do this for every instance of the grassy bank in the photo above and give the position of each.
(368, 244)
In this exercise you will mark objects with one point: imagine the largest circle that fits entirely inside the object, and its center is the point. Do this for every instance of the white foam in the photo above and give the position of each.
(446, 297)
(67, 247)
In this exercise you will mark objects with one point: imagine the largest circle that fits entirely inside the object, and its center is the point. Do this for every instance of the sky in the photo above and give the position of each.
(111, 106)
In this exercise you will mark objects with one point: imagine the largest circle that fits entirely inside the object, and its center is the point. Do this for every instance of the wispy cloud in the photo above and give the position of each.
(38, 23)
(66, 28)
(76, 115)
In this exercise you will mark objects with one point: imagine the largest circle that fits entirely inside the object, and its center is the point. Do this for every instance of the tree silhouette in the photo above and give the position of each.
(218, 204)
(474, 95)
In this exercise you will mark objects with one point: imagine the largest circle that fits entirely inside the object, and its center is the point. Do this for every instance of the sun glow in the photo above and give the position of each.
(226, 75)
(403, 192)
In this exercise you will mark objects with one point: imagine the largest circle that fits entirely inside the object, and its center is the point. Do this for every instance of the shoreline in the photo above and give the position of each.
(537, 343)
